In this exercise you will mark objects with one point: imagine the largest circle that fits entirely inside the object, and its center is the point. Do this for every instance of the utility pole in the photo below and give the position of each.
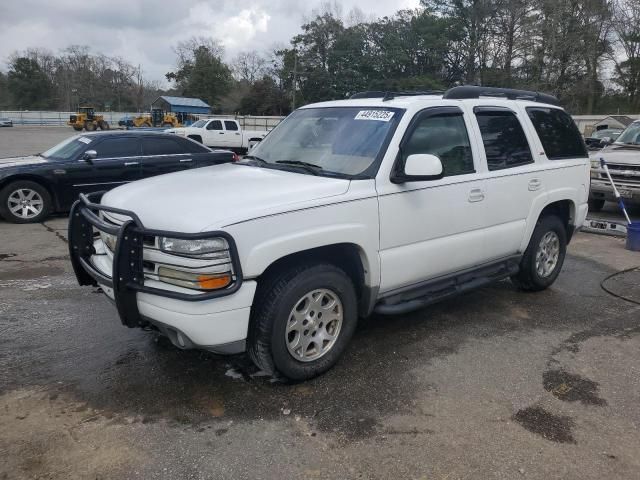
(295, 80)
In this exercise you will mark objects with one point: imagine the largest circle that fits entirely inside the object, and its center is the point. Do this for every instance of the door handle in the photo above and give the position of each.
(184, 160)
(534, 184)
(220, 133)
(129, 164)
(476, 195)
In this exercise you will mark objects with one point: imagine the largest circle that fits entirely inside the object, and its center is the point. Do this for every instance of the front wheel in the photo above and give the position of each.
(302, 321)
(543, 258)
(25, 202)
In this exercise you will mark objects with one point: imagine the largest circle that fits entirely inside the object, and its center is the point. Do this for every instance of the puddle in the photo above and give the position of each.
(556, 428)
(572, 388)
(4, 256)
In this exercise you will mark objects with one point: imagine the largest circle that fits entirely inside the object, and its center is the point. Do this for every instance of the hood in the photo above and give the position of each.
(622, 154)
(208, 198)
(21, 161)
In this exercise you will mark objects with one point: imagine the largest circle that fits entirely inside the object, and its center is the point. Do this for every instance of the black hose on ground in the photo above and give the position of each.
(610, 292)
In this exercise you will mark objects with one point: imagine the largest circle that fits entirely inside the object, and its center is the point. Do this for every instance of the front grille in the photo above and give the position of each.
(629, 174)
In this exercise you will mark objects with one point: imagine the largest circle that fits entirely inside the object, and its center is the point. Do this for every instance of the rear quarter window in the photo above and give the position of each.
(558, 133)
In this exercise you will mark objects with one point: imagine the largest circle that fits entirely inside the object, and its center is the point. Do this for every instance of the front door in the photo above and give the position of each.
(432, 228)
(214, 134)
(117, 163)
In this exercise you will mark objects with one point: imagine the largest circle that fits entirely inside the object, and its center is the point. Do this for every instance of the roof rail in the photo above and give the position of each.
(470, 91)
(389, 95)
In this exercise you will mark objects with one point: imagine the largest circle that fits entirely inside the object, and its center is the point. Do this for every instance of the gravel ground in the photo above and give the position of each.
(21, 140)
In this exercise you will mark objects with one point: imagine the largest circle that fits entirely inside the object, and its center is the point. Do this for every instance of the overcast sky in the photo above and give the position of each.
(143, 31)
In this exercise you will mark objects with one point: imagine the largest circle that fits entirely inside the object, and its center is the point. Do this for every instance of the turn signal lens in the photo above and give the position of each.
(199, 281)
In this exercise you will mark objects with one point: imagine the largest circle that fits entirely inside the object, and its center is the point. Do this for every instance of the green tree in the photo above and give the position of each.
(28, 85)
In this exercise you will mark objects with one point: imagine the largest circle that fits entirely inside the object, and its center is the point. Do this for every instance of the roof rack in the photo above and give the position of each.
(469, 91)
(389, 95)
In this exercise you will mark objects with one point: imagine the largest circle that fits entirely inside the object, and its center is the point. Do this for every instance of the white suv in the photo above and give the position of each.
(381, 203)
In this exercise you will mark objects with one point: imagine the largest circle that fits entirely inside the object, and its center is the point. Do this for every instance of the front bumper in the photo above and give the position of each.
(602, 190)
(216, 321)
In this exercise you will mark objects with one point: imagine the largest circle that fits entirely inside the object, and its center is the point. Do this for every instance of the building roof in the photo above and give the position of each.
(623, 119)
(184, 102)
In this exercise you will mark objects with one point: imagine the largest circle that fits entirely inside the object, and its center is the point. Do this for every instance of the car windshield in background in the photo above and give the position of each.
(606, 133)
(68, 149)
(343, 141)
(199, 124)
(631, 136)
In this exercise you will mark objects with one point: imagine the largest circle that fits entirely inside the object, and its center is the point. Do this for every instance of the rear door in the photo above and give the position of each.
(164, 154)
(117, 163)
(233, 134)
(514, 180)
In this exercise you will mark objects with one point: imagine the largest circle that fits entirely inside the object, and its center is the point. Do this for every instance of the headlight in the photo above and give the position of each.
(210, 248)
(595, 165)
(109, 240)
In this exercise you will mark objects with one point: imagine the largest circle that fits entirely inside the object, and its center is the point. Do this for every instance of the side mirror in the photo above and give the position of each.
(419, 167)
(606, 141)
(89, 156)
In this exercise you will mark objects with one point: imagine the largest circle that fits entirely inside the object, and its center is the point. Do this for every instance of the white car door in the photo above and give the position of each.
(233, 135)
(514, 179)
(215, 134)
(432, 228)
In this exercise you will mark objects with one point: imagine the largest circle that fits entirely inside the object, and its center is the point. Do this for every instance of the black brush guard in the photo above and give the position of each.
(127, 269)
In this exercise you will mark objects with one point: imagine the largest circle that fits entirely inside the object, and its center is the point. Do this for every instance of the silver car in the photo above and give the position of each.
(6, 122)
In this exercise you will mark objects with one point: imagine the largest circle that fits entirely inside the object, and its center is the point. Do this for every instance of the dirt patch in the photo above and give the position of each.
(47, 435)
(572, 388)
(31, 272)
(556, 428)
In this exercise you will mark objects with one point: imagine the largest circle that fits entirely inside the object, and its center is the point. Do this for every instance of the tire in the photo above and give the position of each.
(595, 204)
(549, 237)
(104, 125)
(89, 126)
(271, 342)
(77, 128)
(167, 125)
(37, 210)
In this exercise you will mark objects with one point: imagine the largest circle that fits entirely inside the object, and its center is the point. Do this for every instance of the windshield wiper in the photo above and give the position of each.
(253, 157)
(309, 167)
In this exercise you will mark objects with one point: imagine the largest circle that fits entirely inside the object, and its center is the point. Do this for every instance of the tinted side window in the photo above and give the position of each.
(230, 125)
(558, 133)
(191, 147)
(161, 146)
(505, 143)
(444, 136)
(118, 147)
(214, 125)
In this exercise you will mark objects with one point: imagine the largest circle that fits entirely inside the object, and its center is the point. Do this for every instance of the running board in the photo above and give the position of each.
(445, 287)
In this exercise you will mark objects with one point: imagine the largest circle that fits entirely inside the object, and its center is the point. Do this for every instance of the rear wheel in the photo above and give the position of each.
(302, 321)
(104, 125)
(167, 125)
(25, 202)
(595, 204)
(77, 128)
(543, 259)
(89, 126)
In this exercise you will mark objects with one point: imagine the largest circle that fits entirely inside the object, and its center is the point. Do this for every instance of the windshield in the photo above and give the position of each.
(68, 149)
(631, 136)
(346, 141)
(199, 124)
(606, 133)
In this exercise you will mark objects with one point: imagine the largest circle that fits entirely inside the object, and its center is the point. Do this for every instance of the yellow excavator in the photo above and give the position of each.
(86, 119)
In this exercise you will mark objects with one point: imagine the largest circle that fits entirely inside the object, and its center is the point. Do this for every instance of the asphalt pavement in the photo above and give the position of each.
(493, 384)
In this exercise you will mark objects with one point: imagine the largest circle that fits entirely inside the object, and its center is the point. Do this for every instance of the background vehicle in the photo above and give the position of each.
(623, 159)
(597, 139)
(86, 119)
(33, 187)
(221, 133)
(6, 122)
(384, 202)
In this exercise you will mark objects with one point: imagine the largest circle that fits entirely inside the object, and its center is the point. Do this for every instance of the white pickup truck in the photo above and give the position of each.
(382, 203)
(221, 133)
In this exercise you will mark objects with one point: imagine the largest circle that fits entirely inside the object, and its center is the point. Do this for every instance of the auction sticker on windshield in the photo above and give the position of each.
(381, 115)
(85, 140)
